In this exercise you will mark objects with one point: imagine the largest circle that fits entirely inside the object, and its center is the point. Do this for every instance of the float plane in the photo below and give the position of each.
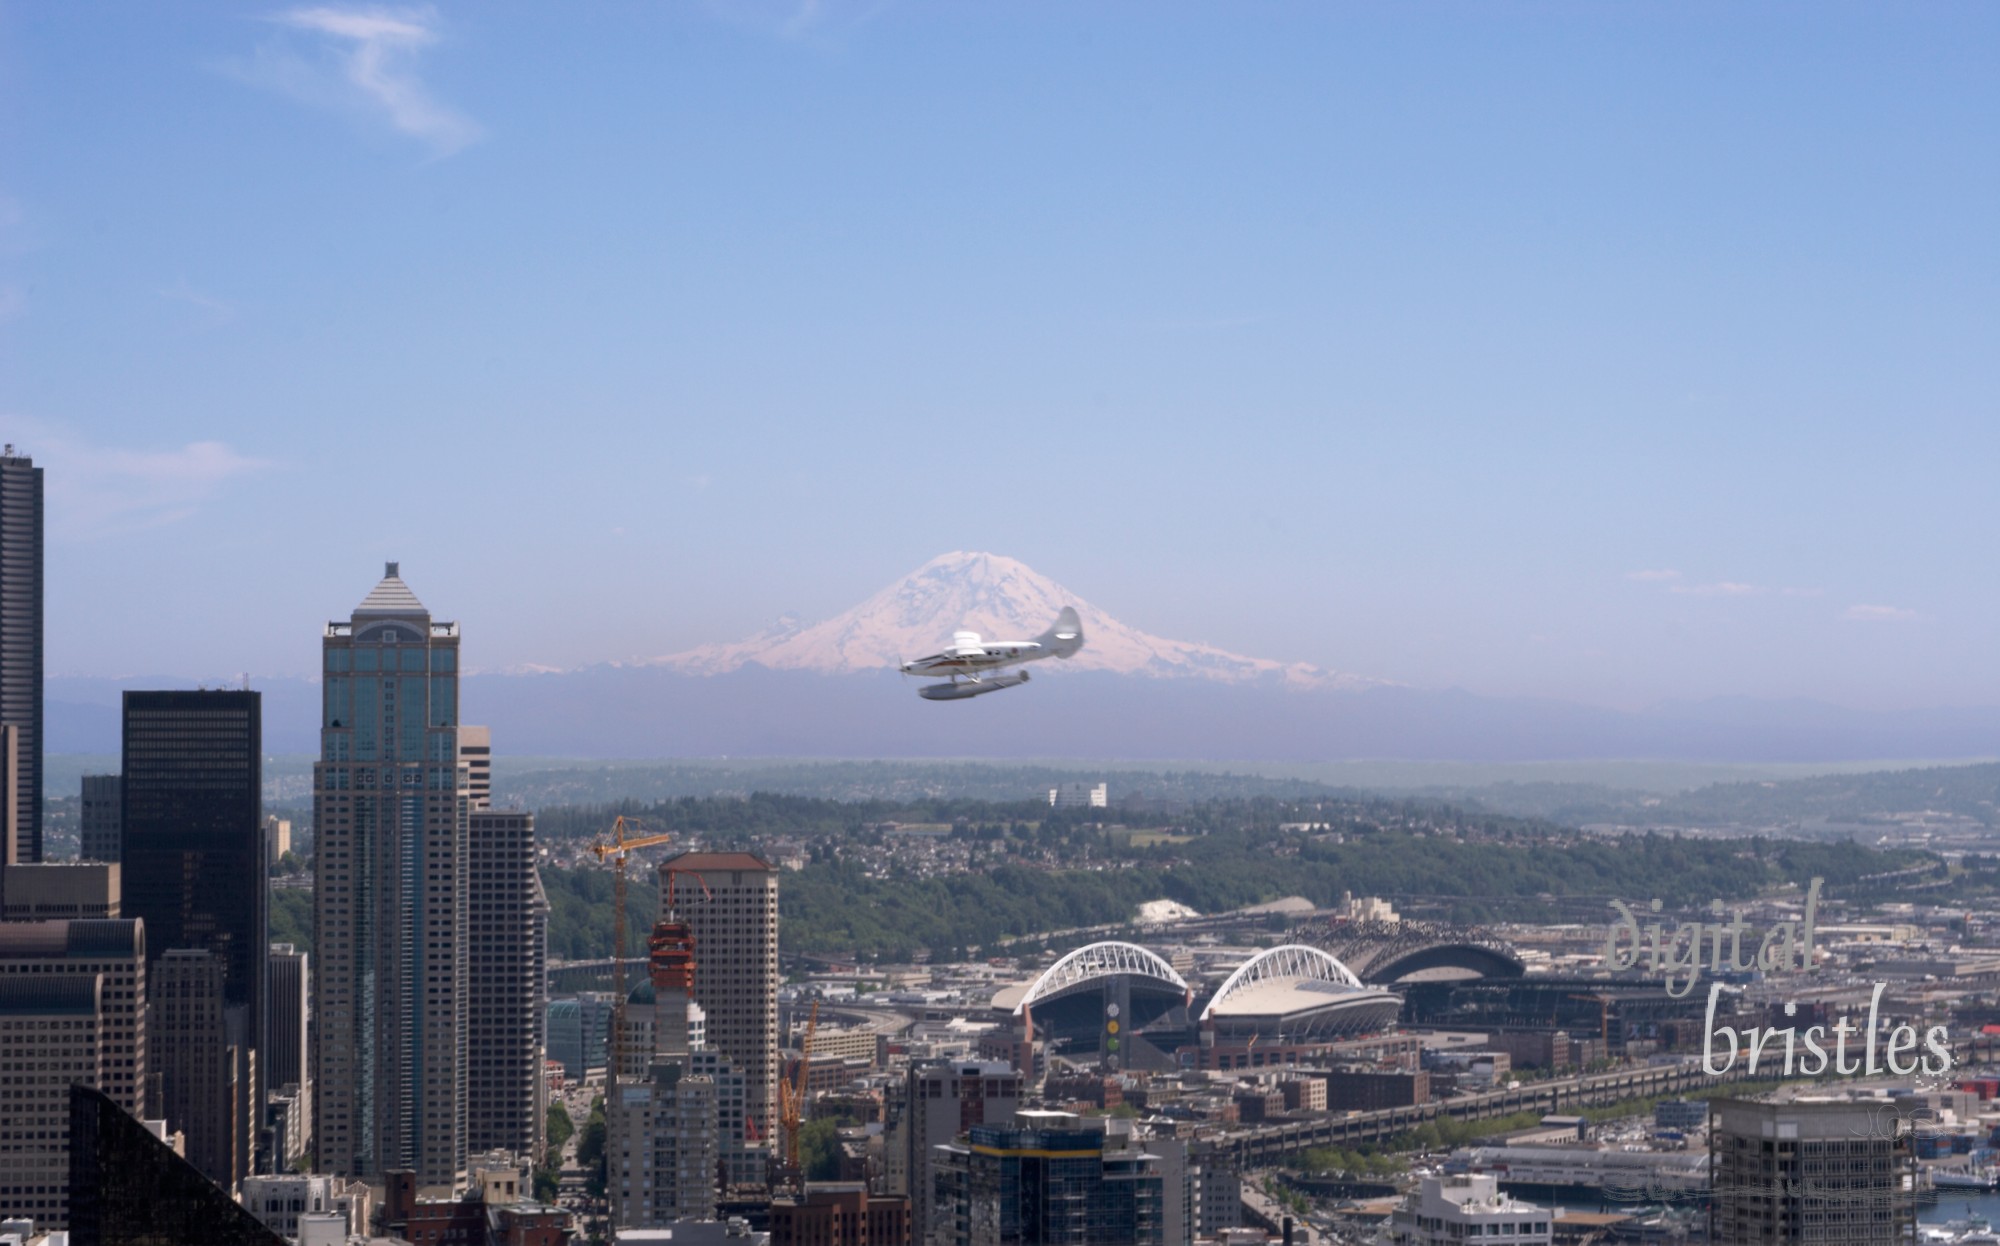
(974, 666)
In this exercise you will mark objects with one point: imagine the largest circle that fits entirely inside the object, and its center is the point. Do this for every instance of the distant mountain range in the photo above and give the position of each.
(999, 598)
(828, 689)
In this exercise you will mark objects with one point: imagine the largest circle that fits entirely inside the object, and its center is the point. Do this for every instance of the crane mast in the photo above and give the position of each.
(617, 849)
(792, 1102)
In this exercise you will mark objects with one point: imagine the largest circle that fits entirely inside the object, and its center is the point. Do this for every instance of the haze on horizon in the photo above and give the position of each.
(1609, 353)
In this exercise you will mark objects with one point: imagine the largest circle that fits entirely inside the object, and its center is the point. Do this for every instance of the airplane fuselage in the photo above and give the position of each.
(969, 662)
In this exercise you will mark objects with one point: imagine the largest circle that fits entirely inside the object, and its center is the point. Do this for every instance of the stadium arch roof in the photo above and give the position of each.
(1096, 962)
(1290, 962)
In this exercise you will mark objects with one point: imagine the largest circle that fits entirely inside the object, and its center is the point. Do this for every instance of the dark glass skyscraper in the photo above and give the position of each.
(193, 850)
(21, 636)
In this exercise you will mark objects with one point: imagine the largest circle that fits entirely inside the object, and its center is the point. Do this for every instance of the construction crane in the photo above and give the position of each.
(617, 849)
(792, 1100)
(1603, 1003)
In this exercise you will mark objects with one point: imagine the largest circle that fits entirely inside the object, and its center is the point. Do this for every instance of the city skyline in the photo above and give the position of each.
(1610, 360)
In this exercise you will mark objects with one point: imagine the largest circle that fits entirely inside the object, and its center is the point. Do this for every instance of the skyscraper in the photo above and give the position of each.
(735, 926)
(287, 1057)
(1821, 1172)
(507, 992)
(1048, 1182)
(193, 867)
(21, 637)
(71, 1009)
(100, 834)
(201, 1090)
(943, 1101)
(475, 749)
(389, 901)
(661, 1126)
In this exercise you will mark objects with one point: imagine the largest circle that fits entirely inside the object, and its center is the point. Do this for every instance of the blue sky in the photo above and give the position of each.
(1612, 352)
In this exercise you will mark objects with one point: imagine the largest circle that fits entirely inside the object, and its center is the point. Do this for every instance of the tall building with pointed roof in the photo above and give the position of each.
(389, 899)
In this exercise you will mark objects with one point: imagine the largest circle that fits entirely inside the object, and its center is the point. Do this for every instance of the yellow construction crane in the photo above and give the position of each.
(792, 1100)
(617, 848)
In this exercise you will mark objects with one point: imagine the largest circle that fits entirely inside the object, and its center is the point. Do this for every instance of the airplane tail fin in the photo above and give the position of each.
(1065, 635)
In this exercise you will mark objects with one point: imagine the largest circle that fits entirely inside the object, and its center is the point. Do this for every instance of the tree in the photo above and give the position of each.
(560, 1130)
(590, 1150)
(819, 1149)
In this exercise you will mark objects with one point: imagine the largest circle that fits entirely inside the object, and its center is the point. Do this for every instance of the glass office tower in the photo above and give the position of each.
(389, 895)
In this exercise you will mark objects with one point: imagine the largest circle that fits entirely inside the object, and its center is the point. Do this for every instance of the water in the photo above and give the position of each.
(1952, 1204)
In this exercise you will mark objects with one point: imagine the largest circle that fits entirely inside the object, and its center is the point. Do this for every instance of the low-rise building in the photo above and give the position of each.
(1448, 1210)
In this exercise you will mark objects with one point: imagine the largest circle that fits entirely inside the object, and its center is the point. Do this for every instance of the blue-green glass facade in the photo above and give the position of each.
(390, 894)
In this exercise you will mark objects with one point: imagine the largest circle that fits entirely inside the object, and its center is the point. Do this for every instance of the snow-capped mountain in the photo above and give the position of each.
(999, 598)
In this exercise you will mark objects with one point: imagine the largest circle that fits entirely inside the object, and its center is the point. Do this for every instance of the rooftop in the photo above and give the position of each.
(391, 598)
(698, 861)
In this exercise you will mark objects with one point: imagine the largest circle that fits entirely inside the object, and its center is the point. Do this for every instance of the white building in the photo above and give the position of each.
(1079, 796)
(284, 1203)
(1450, 1209)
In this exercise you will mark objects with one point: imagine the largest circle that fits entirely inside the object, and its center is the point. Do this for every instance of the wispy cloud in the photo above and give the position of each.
(1720, 588)
(798, 21)
(208, 312)
(368, 63)
(1879, 614)
(100, 491)
(1652, 577)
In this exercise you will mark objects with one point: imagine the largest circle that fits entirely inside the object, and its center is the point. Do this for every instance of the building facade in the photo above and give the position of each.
(475, 749)
(941, 1104)
(579, 1032)
(389, 900)
(507, 974)
(51, 1035)
(735, 925)
(840, 1213)
(201, 1092)
(99, 832)
(63, 891)
(112, 950)
(69, 996)
(193, 868)
(126, 1186)
(662, 1144)
(1046, 1186)
(1447, 1210)
(1829, 1173)
(287, 1054)
(21, 640)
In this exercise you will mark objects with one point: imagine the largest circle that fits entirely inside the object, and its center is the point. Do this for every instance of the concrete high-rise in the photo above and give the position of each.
(100, 835)
(1829, 1173)
(50, 1037)
(475, 749)
(201, 1073)
(193, 868)
(71, 1010)
(661, 1136)
(389, 897)
(21, 639)
(507, 916)
(941, 1103)
(735, 928)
